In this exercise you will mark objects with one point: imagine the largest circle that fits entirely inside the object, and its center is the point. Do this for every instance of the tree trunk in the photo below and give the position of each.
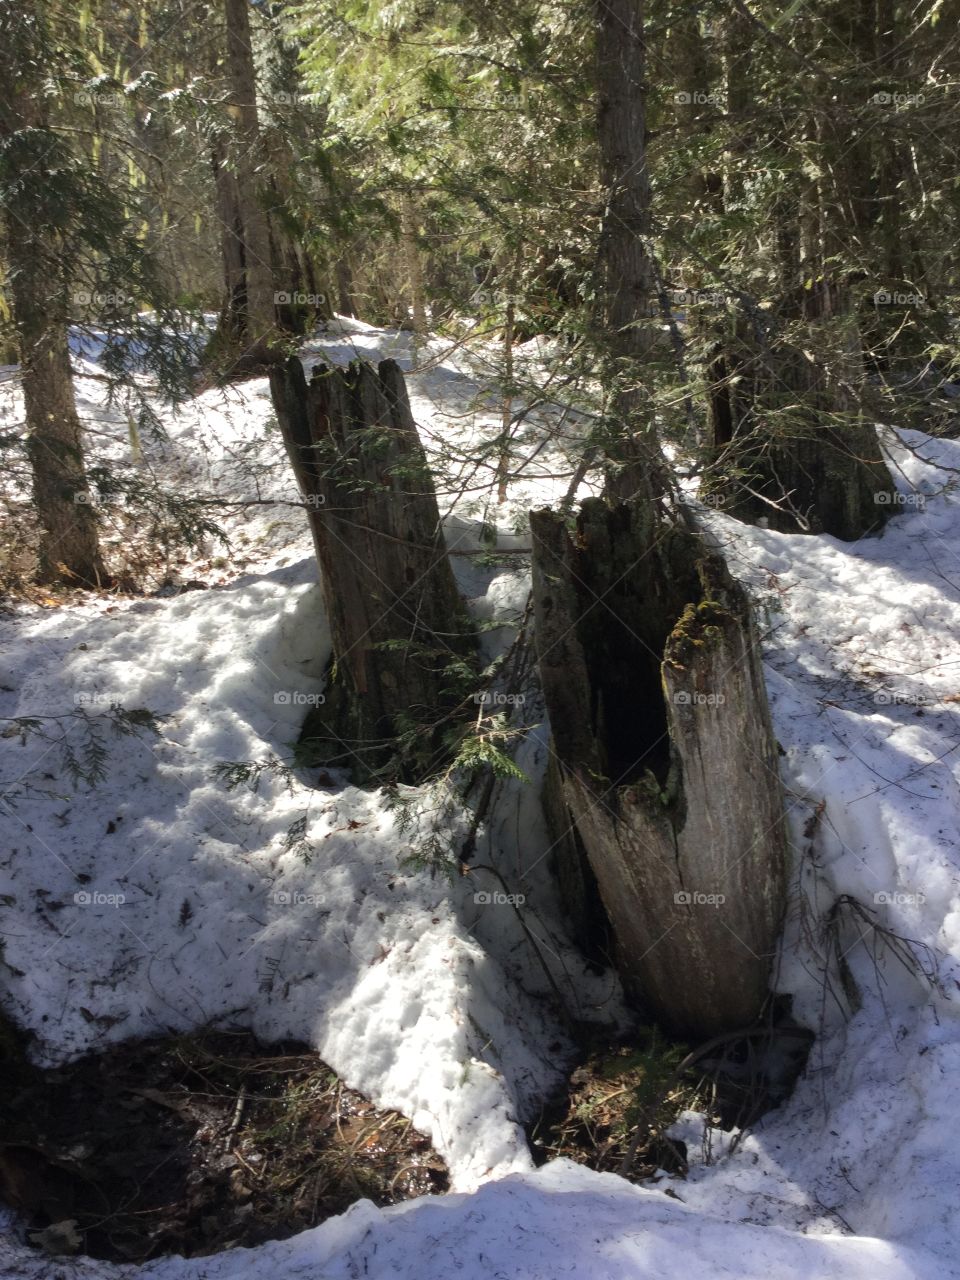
(793, 446)
(401, 635)
(346, 303)
(652, 677)
(69, 545)
(413, 267)
(792, 440)
(69, 549)
(260, 313)
(232, 324)
(510, 279)
(696, 108)
(627, 283)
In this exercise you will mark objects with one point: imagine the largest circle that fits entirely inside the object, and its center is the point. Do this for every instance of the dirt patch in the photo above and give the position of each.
(622, 1099)
(197, 1144)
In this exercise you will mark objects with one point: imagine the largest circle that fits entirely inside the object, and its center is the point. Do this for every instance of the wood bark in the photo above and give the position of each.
(652, 677)
(792, 436)
(260, 328)
(400, 630)
(626, 276)
(413, 267)
(232, 323)
(69, 548)
(818, 469)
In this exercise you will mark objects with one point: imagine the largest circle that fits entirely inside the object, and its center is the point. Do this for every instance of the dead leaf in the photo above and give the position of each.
(58, 1238)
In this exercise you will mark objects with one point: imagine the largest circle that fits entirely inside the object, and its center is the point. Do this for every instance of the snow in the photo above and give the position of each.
(437, 1005)
(561, 1221)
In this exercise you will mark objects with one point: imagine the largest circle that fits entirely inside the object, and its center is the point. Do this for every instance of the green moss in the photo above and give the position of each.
(699, 626)
(648, 790)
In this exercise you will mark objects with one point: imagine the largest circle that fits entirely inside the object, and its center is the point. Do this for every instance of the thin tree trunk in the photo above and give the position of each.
(233, 311)
(696, 108)
(69, 544)
(260, 311)
(627, 284)
(510, 281)
(413, 266)
(793, 442)
(69, 549)
(346, 303)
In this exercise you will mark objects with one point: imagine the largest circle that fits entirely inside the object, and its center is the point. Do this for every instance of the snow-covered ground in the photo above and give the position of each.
(161, 899)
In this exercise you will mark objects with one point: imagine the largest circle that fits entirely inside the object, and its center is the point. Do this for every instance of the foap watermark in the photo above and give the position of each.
(693, 898)
(94, 298)
(697, 297)
(885, 99)
(891, 298)
(296, 898)
(295, 698)
(94, 898)
(99, 98)
(490, 298)
(683, 698)
(896, 698)
(494, 898)
(94, 698)
(283, 298)
(894, 898)
(495, 698)
(887, 499)
(683, 99)
(301, 499)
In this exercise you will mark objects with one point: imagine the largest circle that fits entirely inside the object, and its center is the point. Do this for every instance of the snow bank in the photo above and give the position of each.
(432, 1003)
(560, 1221)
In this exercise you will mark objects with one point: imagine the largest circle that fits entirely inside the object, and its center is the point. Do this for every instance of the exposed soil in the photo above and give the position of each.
(197, 1144)
(622, 1099)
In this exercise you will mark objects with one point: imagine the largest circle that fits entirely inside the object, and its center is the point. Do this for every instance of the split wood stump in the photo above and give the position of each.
(652, 677)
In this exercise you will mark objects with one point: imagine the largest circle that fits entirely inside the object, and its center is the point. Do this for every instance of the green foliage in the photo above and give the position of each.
(234, 774)
(295, 841)
(485, 751)
(622, 1101)
(167, 519)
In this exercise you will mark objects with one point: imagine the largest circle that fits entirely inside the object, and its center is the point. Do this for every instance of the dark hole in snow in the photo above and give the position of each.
(200, 1143)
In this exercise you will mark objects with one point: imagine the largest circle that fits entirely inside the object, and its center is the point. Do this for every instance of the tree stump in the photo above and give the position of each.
(795, 446)
(651, 671)
(403, 645)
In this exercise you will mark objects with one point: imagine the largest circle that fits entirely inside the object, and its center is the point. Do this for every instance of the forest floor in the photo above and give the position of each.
(160, 901)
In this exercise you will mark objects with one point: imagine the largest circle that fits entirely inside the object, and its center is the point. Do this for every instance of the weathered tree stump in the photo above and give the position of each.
(651, 671)
(403, 644)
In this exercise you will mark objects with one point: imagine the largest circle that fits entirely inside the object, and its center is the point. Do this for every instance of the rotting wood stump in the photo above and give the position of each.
(403, 644)
(651, 672)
